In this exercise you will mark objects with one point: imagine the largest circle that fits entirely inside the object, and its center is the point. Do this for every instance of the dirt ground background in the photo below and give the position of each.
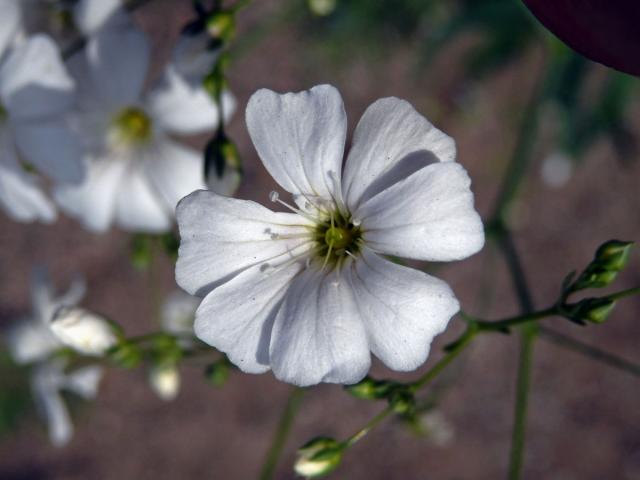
(584, 417)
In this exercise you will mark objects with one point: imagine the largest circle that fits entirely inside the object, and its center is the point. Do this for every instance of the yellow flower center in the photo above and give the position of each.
(132, 126)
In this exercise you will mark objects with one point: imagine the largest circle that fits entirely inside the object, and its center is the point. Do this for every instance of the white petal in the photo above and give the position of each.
(118, 59)
(427, 216)
(11, 16)
(34, 82)
(139, 207)
(174, 170)
(52, 148)
(185, 109)
(392, 140)
(192, 58)
(20, 194)
(82, 330)
(221, 237)
(30, 341)
(84, 381)
(237, 317)
(178, 313)
(93, 202)
(318, 335)
(45, 386)
(300, 138)
(92, 15)
(403, 309)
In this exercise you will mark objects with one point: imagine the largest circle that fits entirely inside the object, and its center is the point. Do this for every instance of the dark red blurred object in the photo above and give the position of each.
(607, 31)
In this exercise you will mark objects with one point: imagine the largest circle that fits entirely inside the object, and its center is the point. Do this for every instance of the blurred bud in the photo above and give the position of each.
(369, 388)
(83, 331)
(166, 350)
(402, 401)
(322, 8)
(610, 258)
(126, 355)
(437, 428)
(222, 164)
(557, 169)
(165, 381)
(222, 25)
(594, 310)
(217, 373)
(318, 457)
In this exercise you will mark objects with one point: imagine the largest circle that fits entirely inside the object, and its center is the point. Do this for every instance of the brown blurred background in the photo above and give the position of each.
(584, 416)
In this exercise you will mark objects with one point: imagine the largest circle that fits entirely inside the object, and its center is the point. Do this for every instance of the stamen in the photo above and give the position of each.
(356, 222)
(275, 198)
(350, 254)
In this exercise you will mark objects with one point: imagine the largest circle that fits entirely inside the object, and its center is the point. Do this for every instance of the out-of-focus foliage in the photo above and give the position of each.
(14, 394)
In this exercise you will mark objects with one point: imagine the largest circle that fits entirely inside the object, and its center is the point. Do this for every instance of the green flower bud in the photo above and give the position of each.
(369, 388)
(594, 310)
(218, 373)
(402, 401)
(222, 25)
(614, 254)
(166, 351)
(318, 457)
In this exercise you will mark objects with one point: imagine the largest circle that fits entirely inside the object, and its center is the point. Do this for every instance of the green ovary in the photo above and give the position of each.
(132, 126)
(336, 238)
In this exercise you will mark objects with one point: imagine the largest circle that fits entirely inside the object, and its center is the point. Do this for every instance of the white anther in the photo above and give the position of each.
(356, 222)
(274, 196)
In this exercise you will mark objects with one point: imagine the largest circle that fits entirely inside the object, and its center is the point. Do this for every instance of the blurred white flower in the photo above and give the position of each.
(437, 428)
(47, 382)
(165, 381)
(557, 169)
(31, 339)
(92, 15)
(178, 313)
(310, 294)
(84, 331)
(322, 7)
(36, 94)
(137, 172)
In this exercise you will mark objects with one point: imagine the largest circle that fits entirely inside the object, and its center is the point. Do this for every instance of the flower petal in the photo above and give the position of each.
(139, 207)
(117, 61)
(11, 16)
(30, 342)
(34, 82)
(84, 381)
(184, 109)
(300, 138)
(20, 194)
(193, 56)
(403, 309)
(231, 235)
(92, 15)
(427, 216)
(52, 148)
(45, 385)
(318, 335)
(392, 141)
(93, 202)
(237, 317)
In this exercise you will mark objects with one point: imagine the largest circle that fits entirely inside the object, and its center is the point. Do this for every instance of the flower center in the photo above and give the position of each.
(132, 126)
(337, 238)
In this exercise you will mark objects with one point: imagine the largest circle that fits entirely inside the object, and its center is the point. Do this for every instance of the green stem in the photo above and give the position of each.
(368, 427)
(577, 346)
(504, 325)
(282, 432)
(624, 293)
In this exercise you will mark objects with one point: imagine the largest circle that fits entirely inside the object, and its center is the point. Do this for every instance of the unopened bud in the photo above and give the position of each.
(594, 310)
(83, 331)
(369, 389)
(218, 373)
(402, 401)
(222, 25)
(126, 355)
(322, 7)
(165, 381)
(614, 254)
(318, 457)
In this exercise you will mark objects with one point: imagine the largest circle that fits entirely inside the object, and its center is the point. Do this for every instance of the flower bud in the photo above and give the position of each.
(222, 25)
(126, 355)
(402, 401)
(594, 310)
(322, 7)
(318, 457)
(83, 331)
(165, 381)
(614, 254)
(369, 388)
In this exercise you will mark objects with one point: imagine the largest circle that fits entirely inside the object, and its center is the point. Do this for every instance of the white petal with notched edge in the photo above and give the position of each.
(34, 82)
(318, 334)
(233, 235)
(392, 140)
(427, 216)
(300, 138)
(237, 317)
(403, 309)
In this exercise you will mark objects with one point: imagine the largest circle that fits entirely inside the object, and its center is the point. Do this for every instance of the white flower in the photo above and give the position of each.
(165, 381)
(84, 331)
(137, 172)
(178, 313)
(47, 382)
(31, 340)
(309, 294)
(36, 93)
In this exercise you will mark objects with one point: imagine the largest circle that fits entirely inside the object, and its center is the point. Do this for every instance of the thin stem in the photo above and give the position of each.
(504, 325)
(594, 353)
(282, 432)
(371, 424)
(516, 461)
(624, 293)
